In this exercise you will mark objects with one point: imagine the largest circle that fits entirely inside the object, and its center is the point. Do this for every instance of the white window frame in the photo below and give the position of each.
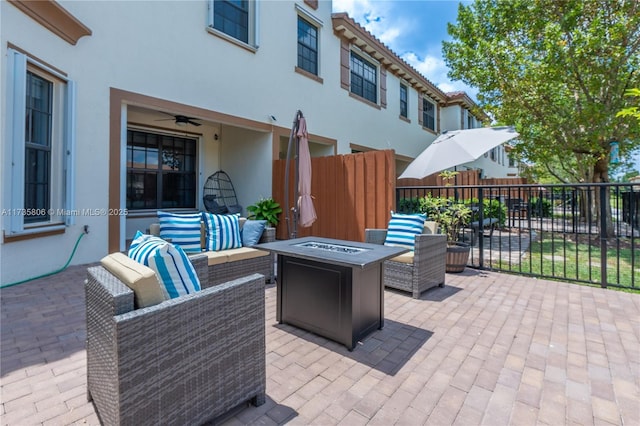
(63, 142)
(253, 39)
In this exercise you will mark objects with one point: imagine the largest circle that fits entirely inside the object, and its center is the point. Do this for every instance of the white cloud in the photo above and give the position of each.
(379, 19)
(435, 70)
(373, 16)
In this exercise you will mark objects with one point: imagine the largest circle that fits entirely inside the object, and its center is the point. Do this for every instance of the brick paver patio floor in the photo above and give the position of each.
(489, 348)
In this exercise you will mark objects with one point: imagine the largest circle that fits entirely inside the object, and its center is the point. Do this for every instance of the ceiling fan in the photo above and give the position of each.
(181, 120)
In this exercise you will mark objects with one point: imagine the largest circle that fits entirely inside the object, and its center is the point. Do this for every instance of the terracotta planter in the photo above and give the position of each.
(457, 257)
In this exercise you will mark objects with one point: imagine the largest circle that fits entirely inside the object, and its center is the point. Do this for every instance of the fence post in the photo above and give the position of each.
(480, 229)
(603, 237)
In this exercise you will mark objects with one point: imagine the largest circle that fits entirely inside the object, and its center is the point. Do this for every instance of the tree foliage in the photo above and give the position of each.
(632, 111)
(557, 71)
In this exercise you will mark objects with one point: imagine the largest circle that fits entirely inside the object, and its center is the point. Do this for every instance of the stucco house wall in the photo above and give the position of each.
(141, 62)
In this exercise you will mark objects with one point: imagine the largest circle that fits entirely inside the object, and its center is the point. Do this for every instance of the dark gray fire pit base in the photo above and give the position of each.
(334, 292)
(337, 302)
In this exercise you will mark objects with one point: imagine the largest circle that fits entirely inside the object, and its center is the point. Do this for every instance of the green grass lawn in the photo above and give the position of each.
(566, 258)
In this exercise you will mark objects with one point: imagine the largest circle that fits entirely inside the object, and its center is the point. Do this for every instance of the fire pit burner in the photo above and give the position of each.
(332, 247)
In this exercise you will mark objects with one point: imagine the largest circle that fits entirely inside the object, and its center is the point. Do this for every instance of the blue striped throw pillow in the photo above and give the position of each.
(223, 231)
(171, 264)
(182, 229)
(403, 228)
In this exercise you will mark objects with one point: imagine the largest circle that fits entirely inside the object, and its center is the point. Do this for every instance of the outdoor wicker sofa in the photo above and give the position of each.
(230, 264)
(415, 271)
(185, 360)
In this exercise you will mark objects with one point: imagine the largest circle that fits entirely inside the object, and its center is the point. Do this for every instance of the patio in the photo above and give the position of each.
(488, 348)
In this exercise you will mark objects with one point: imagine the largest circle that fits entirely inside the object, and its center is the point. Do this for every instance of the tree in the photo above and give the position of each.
(557, 71)
(632, 111)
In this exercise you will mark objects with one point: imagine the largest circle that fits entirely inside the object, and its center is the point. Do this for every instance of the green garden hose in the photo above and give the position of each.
(49, 273)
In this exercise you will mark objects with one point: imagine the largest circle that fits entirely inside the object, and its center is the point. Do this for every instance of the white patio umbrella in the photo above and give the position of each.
(457, 147)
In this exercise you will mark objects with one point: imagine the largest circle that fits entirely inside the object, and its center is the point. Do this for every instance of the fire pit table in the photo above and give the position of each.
(330, 287)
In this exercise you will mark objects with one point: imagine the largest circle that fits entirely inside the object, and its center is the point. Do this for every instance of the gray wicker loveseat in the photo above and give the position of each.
(418, 270)
(184, 361)
(230, 264)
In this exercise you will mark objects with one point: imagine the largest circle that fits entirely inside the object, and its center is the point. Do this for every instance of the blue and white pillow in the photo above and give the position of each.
(403, 228)
(171, 264)
(251, 232)
(182, 229)
(223, 231)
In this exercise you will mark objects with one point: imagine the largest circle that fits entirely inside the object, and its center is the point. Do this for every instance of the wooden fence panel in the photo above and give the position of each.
(465, 178)
(351, 192)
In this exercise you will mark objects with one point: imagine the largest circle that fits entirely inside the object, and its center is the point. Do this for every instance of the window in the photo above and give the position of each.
(38, 126)
(234, 18)
(512, 161)
(161, 171)
(40, 148)
(307, 46)
(364, 81)
(469, 120)
(403, 101)
(428, 114)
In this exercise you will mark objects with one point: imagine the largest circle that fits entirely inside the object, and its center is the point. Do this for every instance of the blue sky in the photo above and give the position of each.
(413, 29)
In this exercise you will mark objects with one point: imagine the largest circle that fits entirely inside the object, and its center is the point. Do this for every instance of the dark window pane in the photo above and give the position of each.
(403, 100)
(39, 110)
(307, 46)
(178, 190)
(36, 185)
(38, 125)
(142, 190)
(363, 78)
(161, 171)
(428, 115)
(232, 18)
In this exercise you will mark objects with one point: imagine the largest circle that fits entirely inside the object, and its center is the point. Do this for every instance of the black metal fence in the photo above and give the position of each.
(586, 233)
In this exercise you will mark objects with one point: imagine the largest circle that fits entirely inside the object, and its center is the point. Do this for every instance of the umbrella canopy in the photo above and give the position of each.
(457, 147)
(305, 204)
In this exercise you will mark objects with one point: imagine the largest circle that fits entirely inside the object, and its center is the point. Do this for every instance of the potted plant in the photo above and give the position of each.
(452, 216)
(265, 209)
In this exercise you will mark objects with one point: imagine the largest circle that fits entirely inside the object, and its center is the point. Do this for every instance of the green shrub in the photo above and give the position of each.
(540, 207)
(491, 208)
(451, 215)
(409, 205)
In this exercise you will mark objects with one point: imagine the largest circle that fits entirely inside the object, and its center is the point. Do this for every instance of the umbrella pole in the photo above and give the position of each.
(293, 210)
(296, 177)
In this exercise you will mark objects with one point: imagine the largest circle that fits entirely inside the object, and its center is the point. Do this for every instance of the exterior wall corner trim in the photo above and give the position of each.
(55, 18)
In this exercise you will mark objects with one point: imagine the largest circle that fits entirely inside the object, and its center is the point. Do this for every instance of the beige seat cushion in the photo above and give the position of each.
(430, 227)
(138, 277)
(244, 253)
(231, 255)
(216, 257)
(404, 258)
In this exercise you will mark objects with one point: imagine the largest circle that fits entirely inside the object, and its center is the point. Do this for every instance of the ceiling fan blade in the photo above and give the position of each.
(195, 123)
